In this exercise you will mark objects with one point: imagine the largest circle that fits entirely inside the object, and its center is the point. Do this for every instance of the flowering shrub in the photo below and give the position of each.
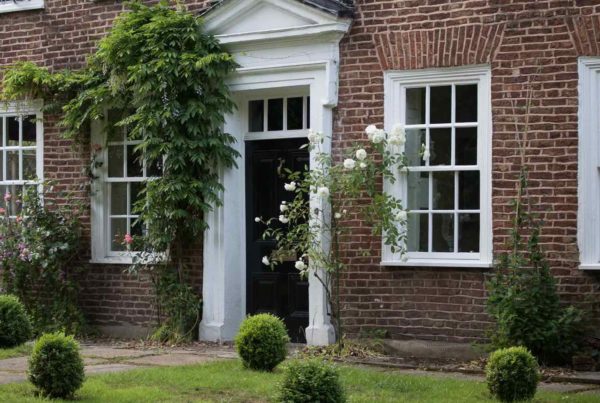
(314, 231)
(39, 247)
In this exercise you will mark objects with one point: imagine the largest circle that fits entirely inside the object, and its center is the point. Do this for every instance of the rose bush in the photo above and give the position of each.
(332, 192)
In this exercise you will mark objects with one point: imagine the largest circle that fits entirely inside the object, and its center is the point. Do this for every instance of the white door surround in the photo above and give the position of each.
(303, 52)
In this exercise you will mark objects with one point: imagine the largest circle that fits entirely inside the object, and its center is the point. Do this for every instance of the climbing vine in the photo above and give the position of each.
(163, 80)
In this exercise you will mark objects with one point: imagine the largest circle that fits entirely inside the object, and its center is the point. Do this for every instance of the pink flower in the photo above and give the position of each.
(128, 239)
(19, 218)
(7, 196)
(97, 148)
(2, 211)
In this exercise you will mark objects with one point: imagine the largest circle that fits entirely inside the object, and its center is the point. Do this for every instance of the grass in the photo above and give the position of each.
(19, 351)
(227, 381)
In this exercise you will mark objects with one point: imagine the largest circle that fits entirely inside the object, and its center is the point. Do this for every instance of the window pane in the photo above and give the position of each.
(443, 233)
(468, 190)
(137, 227)
(417, 225)
(275, 115)
(466, 103)
(115, 162)
(16, 191)
(443, 190)
(136, 188)
(29, 131)
(415, 139)
(12, 126)
(466, 146)
(12, 165)
(29, 165)
(441, 99)
(118, 229)
(256, 115)
(154, 169)
(294, 113)
(118, 199)
(468, 232)
(134, 163)
(415, 106)
(440, 146)
(418, 191)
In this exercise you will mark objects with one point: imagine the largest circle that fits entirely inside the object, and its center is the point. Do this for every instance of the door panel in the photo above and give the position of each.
(281, 291)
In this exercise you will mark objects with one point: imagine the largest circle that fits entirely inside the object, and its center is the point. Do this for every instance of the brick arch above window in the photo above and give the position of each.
(441, 47)
(585, 34)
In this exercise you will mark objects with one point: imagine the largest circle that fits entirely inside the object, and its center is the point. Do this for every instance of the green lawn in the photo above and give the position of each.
(227, 381)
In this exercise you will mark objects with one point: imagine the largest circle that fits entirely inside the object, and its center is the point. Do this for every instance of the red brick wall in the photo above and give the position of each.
(62, 36)
(523, 41)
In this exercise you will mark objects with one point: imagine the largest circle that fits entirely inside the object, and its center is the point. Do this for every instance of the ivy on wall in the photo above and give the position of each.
(163, 80)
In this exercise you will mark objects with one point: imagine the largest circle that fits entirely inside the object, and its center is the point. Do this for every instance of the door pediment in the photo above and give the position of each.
(254, 20)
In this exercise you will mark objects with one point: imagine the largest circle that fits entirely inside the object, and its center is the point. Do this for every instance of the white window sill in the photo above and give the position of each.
(589, 266)
(439, 263)
(112, 260)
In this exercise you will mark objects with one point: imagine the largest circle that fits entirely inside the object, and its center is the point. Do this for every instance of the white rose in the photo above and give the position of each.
(257, 219)
(361, 154)
(290, 187)
(300, 265)
(378, 136)
(323, 191)
(370, 130)
(314, 137)
(337, 216)
(397, 139)
(401, 216)
(283, 208)
(426, 154)
(404, 258)
(362, 165)
(283, 219)
(349, 163)
(344, 211)
(398, 130)
(265, 261)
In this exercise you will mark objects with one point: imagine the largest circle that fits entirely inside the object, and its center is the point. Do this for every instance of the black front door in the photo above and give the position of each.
(281, 291)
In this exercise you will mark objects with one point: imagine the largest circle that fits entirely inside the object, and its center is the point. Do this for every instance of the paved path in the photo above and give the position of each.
(107, 358)
(101, 358)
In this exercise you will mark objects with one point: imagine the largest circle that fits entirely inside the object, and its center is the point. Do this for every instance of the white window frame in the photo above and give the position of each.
(9, 6)
(13, 109)
(100, 201)
(588, 178)
(395, 83)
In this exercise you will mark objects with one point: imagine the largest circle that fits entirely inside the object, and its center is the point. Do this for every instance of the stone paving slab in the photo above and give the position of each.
(111, 352)
(105, 368)
(168, 360)
(18, 364)
(11, 377)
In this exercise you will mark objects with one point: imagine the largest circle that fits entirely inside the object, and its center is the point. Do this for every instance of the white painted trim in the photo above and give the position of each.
(588, 178)
(394, 81)
(325, 25)
(457, 263)
(10, 6)
(27, 108)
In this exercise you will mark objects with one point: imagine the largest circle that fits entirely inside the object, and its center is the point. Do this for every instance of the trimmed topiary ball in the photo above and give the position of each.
(262, 342)
(512, 374)
(55, 366)
(311, 381)
(15, 326)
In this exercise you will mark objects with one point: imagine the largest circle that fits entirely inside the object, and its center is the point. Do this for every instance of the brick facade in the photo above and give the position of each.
(523, 41)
